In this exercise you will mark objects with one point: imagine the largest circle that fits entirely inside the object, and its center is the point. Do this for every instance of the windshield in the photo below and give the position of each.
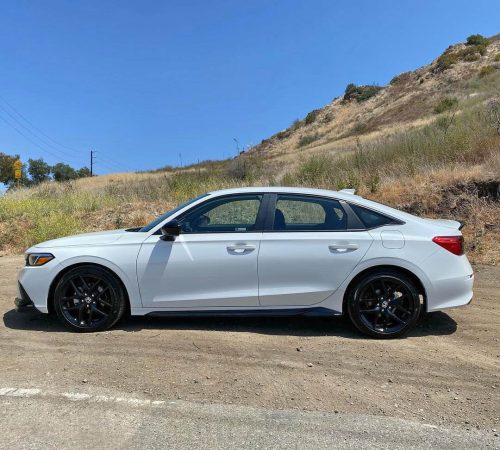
(160, 219)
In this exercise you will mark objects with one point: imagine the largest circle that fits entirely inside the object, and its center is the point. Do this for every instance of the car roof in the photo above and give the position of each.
(287, 190)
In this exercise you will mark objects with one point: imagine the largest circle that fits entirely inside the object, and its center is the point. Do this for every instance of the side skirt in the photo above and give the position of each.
(284, 312)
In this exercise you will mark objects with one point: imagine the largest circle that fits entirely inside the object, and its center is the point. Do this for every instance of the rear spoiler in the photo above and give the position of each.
(455, 224)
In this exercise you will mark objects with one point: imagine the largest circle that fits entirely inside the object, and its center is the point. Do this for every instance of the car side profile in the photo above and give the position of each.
(256, 251)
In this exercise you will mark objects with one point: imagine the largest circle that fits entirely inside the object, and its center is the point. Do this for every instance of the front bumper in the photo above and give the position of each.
(23, 302)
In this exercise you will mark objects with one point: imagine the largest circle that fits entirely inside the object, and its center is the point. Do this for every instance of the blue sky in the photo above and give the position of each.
(142, 82)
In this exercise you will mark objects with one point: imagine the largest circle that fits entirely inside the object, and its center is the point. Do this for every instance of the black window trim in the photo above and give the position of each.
(354, 223)
(259, 222)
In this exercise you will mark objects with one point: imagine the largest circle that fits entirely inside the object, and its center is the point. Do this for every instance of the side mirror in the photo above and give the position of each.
(170, 230)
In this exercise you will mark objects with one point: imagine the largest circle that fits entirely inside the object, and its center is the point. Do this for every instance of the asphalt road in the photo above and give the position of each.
(69, 420)
(251, 383)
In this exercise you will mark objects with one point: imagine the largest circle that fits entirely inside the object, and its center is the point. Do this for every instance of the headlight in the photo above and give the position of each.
(38, 259)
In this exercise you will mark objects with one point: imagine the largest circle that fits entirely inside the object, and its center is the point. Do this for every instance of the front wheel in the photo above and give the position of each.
(89, 298)
(384, 304)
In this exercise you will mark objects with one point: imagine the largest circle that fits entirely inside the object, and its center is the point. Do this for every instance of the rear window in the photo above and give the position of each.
(371, 219)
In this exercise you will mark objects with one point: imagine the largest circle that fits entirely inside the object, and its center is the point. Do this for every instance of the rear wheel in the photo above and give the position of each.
(89, 298)
(384, 304)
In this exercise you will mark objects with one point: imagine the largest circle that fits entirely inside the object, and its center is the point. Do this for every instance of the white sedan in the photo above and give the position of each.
(256, 251)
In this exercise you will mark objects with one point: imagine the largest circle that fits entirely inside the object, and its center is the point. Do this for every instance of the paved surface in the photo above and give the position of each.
(69, 420)
(251, 382)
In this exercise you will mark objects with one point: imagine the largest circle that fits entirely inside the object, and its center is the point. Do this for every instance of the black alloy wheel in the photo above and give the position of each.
(384, 304)
(89, 298)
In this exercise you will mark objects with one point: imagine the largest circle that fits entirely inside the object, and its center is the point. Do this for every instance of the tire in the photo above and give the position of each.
(89, 298)
(384, 304)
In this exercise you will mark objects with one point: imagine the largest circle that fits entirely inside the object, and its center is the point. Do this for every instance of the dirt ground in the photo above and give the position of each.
(447, 371)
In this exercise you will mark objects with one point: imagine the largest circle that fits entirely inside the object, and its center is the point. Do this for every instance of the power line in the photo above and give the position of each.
(35, 127)
(59, 152)
(31, 140)
(116, 163)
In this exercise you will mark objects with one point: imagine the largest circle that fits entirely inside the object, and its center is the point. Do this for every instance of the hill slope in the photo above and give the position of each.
(410, 100)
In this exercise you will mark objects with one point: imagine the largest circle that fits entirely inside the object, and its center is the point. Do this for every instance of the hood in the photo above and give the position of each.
(98, 238)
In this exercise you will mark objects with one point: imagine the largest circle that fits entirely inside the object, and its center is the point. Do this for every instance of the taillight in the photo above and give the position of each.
(454, 244)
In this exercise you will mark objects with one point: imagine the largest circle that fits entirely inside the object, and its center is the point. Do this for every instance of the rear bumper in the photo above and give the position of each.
(451, 292)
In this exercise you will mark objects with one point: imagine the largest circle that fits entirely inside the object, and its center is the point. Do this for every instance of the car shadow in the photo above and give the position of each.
(431, 324)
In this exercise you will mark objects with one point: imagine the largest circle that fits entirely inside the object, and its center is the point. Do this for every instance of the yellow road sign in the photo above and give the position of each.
(17, 174)
(18, 165)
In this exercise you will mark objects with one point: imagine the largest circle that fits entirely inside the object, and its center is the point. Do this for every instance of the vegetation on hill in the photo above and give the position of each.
(360, 93)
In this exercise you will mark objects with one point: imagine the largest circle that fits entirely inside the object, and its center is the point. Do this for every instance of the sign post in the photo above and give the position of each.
(18, 171)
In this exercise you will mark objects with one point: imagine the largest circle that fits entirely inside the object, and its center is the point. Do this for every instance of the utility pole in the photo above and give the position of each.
(92, 163)
(237, 146)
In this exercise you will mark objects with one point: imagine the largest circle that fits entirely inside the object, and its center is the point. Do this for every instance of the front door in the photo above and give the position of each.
(213, 263)
(308, 253)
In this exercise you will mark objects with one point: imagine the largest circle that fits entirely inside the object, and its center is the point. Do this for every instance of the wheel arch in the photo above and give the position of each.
(53, 284)
(395, 268)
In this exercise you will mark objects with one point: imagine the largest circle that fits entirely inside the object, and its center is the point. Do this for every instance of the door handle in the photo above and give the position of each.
(240, 249)
(343, 248)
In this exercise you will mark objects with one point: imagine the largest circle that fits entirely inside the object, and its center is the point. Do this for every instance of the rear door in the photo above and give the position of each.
(307, 251)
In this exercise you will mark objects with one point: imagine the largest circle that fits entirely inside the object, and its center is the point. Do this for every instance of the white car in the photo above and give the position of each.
(256, 251)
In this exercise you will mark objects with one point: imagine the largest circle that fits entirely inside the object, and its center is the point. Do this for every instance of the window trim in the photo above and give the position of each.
(259, 222)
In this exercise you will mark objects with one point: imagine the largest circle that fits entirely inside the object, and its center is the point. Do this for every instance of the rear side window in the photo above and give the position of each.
(371, 219)
(303, 213)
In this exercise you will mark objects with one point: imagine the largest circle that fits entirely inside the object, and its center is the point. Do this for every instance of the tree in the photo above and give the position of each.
(39, 170)
(64, 172)
(7, 167)
(84, 172)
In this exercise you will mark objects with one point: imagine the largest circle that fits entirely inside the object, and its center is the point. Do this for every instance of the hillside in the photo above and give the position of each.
(428, 143)
(410, 100)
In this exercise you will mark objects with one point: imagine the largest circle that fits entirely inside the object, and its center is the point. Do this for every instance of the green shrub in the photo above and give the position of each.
(477, 39)
(402, 78)
(486, 70)
(445, 104)
(308, 139)
(360, 93)
(328, 117)
(470, 54)
(497, 57)
(312, 116)
(283, 134)
(445, 61)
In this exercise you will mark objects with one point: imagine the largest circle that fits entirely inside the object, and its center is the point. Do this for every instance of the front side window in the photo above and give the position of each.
(303, 213)
(237, 214)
